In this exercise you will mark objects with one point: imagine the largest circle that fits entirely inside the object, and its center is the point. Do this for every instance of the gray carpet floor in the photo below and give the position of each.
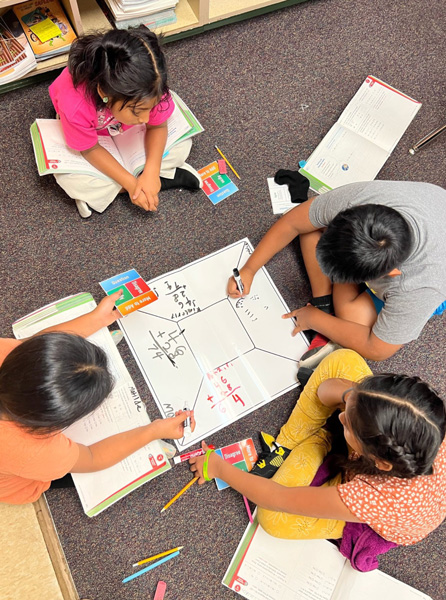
(266, 90)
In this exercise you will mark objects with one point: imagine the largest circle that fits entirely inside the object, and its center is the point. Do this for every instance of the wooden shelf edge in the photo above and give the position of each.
(55, 550)
(173, 36)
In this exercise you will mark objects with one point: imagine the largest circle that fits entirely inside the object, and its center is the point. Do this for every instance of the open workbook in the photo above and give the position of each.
(54, 156)
(360, 142)
(121, 411)
(269, 568)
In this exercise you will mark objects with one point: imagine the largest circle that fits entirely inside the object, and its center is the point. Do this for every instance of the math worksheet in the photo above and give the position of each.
(358, 145)
(267, 567)
(200, 349)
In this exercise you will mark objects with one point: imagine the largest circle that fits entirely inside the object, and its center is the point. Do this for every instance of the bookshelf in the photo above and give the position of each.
(193, 17)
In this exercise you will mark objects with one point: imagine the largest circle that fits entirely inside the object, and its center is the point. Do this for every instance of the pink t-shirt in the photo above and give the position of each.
(82, 122)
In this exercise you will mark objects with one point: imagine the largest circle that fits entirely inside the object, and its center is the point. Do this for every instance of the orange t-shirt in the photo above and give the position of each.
(403, 511)
(28, 463)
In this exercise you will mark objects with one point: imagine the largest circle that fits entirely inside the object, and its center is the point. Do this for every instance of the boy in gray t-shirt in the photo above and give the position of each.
(388, 235)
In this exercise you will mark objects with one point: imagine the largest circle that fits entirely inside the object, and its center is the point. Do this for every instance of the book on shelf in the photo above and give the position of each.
(279, 569)
(46, 26)
(53, 155)
(152, 21)
(130, 9)
(359, 143)
(16, 56)
(121, 411)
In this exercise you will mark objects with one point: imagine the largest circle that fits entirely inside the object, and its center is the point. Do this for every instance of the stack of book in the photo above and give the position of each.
(16, 56)
(132, 13)
(46, 26)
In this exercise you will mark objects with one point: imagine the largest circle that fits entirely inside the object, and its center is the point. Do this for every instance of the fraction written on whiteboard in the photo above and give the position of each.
(220, 356)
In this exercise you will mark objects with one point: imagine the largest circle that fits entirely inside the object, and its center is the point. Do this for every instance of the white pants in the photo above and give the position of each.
(100, 193)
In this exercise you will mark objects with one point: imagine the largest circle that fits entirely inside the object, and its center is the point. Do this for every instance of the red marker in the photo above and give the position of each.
(182, 457)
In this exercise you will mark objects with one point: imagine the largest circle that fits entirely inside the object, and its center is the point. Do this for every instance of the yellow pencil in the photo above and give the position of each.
(146, 560)
(227, 161)
(186, 487)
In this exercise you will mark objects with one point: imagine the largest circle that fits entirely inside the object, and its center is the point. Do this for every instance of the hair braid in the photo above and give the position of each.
(398, 419)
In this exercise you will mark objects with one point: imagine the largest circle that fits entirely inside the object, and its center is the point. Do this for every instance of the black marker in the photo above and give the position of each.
(187, 423)
(238, 280)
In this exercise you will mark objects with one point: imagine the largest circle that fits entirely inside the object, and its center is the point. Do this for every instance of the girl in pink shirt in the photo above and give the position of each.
(113, 82)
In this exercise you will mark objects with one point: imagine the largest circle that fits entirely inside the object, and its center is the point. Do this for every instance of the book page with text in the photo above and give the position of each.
(379, 113)
(131, 143)
(343, 157)
(60, 158)
(280, 569)
(354, 585)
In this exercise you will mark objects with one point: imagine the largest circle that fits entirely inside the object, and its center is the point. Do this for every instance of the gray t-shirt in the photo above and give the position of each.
(411, 298)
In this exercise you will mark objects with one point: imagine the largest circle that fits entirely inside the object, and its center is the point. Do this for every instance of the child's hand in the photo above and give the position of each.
(302, 318)
(148, 185)
(104, 312)
(172, 428)
(196, 464)
(246, 275)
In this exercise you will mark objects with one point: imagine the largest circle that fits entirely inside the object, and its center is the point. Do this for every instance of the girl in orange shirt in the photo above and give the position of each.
(47, 383)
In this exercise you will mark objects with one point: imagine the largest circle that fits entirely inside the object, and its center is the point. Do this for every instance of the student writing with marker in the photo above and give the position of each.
(374, 254)
(394, 478)
(48, 382)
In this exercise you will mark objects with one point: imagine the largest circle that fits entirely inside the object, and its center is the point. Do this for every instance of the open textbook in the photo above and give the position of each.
(54, 156)
(358, 145)
(269, 568)
(121, 411)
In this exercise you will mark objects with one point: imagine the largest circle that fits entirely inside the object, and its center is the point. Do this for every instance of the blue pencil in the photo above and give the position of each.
(149, 568)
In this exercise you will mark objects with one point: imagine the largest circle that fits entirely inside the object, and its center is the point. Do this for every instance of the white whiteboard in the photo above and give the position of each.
(219, 356)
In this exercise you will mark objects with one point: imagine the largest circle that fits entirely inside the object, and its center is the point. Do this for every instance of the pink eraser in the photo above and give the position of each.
(221, 166)
(160, 590)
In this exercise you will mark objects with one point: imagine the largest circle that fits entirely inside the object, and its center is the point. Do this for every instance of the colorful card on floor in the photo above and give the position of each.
(135, 291)
(217, 186)
(242, 455)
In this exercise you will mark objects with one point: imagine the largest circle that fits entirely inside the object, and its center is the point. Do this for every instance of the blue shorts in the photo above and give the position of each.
(379, 304)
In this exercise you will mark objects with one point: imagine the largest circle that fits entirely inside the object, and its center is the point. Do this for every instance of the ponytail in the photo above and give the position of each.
(52, 380)
(127, 64)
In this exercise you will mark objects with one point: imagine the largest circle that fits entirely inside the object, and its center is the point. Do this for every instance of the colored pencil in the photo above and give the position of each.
(248, 510)
(160, 555)
(180, 493)
(150, 567)
(227, 161)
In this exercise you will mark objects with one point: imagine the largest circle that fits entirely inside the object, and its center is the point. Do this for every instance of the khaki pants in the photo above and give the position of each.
(309, 443)
(100, 193)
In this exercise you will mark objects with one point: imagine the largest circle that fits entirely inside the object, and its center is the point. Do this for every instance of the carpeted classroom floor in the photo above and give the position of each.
(266, 90)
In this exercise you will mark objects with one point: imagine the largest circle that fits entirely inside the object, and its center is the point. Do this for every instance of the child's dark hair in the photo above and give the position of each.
(398, 419)
(52, 380)
(127, 64)
(363, 243)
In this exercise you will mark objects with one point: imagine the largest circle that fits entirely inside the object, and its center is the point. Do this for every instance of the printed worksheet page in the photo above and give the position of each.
(354, 585)
(265, 567)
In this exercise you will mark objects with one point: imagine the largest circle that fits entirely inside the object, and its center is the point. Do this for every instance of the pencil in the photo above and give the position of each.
(160, 555)
(150, 567)
(180, 493)
(227, 161)
(248, 510)
(427, 138)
